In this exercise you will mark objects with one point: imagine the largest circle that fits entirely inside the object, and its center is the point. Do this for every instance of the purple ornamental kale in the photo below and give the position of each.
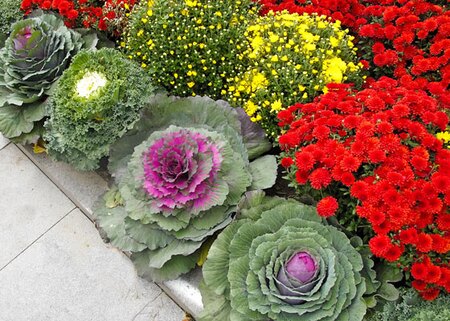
(180, 169)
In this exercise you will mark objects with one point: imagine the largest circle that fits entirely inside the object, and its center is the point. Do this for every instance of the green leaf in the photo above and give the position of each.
(194, 234)
(264, 172)
(35, 111)
(254, 136)
(149, 234)
(113, 198)
(13, 122)
(111, 220)
(31, 137)
(215, 270)
(209, 219)
(216, 307)
(171, 270)
(161, 256)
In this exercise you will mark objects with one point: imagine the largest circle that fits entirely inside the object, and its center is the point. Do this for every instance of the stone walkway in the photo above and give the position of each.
(53, 264)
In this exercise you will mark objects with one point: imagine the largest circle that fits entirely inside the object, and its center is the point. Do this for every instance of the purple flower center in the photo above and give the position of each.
(302, 266)
(21, 39)
(179, 170)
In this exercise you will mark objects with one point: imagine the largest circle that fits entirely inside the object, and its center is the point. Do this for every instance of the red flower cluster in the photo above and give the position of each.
(404, 39)
(378, 145)
(349, 12)
(410, 38)
(81, 13)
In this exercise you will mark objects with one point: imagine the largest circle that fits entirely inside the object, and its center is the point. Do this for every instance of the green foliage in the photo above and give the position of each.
(189, 47)
(411, 307)
(35, 55)
(165, 233)
(9, 13)
(245, 276)
(96, 101)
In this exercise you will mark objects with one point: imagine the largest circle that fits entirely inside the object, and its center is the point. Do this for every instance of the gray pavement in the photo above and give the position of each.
(53, 263)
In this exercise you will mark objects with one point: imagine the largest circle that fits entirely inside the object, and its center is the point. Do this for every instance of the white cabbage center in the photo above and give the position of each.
(90, 83)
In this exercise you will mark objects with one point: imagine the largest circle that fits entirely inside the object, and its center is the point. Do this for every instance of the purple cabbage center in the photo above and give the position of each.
(179, 170)
(297, 276)
(302, 266)
(21, 40)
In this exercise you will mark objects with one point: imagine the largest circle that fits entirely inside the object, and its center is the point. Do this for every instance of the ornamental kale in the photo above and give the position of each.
(96, 101)
(35, 55)
(279, 262)
(180, 173)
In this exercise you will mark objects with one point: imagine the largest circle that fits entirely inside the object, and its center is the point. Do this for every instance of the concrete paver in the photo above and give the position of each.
(69, 274)
(83, 188)
(30, 203)
(3, 141)
(159, 309)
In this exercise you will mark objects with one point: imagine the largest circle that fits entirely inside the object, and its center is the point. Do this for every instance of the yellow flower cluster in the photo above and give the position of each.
(445, 137)
(290, 58)
(189, 47)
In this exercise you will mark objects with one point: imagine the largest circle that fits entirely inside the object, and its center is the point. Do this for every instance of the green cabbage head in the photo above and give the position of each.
(278, 261)
(180, 173)
(35, 55)
(97, 99)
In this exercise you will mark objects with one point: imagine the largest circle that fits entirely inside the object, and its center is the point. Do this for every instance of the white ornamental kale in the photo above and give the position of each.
(180, 174)
(97, 99)
(280, 262)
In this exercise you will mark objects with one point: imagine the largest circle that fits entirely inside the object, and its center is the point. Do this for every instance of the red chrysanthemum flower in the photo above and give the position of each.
(409, 236)
(430, 294)
(320, 178)
(440, 182)
(419, 271)
(286, 162)
(327, 206)
(321, 132)
(419, 285)
(424, 243)
(301, 177)
(443, 222)
(440, 244)
(376, 217)
(347, 179)
(350, 163)
(304, 160)
(379, 245)
(393, 253)
(433, 273)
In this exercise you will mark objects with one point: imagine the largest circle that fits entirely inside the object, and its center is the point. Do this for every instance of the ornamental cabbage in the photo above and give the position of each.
(180, 173)
(35, 55)
(96, 101)
(280, 262)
